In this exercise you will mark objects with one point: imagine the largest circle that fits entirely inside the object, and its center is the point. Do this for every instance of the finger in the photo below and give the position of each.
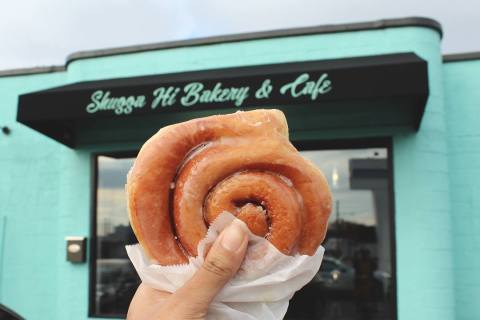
(221, 264)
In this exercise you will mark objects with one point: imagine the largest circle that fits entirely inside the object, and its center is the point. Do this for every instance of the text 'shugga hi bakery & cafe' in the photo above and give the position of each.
(393, 125)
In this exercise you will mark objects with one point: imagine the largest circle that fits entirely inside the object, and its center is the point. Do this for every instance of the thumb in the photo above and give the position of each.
(221, 264)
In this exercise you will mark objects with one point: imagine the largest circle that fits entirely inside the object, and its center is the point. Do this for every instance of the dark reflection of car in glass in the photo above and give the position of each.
(117, 281)
(335, 281)
(336, 288)
(334, 275)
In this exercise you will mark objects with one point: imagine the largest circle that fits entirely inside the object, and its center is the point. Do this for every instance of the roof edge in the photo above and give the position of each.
(458, 57)
(322, 29)
(33, 70)
(257, 35)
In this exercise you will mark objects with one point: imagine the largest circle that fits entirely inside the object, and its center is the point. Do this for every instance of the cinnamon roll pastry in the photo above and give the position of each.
(189, 173)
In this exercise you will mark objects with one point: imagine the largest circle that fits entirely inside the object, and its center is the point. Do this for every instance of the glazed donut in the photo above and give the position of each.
(189, 173)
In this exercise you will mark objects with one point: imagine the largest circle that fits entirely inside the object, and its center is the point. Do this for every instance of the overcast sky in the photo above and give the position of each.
(44, 32)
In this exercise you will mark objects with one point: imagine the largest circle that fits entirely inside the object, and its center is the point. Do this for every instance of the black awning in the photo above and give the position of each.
(384, 91)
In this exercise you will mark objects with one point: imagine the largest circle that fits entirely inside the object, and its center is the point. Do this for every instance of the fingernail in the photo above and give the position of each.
(233, 236)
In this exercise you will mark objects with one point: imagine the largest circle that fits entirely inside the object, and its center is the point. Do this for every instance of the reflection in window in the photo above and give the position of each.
(355, 278)
(115, 278)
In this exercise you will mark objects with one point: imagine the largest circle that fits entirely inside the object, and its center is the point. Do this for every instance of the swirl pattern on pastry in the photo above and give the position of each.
(243, 163)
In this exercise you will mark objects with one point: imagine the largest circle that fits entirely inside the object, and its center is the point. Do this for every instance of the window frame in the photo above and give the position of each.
(301, 145)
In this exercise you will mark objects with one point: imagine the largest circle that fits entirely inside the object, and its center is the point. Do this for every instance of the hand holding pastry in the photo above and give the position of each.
(191, 301)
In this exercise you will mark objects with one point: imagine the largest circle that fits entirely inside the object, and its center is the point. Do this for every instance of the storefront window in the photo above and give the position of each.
(356, 278)
(115, 279)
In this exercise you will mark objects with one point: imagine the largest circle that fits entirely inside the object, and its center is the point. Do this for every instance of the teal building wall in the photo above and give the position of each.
(30, 196)
(45, 189)
(462, 84)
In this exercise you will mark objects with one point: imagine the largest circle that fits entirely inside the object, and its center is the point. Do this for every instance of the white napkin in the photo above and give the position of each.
(265, 282)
